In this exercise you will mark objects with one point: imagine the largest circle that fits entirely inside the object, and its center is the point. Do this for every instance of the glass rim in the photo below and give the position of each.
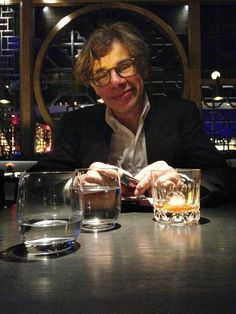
(48, 172)
(178, 169)
(97, 168)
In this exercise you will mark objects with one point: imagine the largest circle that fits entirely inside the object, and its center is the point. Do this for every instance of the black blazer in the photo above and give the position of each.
(174, 133)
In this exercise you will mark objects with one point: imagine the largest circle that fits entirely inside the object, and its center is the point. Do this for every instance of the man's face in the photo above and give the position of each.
(122, 95)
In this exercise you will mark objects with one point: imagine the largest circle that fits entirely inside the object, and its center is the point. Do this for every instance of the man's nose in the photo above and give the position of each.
(115, 77)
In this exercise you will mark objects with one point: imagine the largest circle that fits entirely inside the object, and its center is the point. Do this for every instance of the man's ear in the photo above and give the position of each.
(95, 88)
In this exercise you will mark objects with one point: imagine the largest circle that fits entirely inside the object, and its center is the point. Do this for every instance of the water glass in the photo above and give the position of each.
(48, 222)
(176, 195)
(98, 192)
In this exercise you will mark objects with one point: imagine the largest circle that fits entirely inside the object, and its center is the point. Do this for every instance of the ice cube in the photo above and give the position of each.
(175, 198)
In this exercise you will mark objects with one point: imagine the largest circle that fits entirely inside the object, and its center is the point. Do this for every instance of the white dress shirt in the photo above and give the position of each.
(128, 150)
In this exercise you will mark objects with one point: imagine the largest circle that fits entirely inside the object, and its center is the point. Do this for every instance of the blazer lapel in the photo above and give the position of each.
(157, 127)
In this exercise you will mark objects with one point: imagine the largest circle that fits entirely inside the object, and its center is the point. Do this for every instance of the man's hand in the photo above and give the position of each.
(144, 176)
(100, 173)
(98, 170)
(167, 176)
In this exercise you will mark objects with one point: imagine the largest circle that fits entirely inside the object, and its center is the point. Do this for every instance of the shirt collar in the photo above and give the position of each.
(116, 125)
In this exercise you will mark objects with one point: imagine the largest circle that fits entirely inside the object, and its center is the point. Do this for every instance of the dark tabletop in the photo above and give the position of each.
(140, 267)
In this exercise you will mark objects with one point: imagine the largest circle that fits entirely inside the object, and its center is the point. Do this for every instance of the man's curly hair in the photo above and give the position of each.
(99, 44)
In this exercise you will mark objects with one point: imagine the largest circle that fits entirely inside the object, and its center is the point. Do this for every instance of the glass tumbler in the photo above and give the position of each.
(176, 195)
(98, 192)
(48, 222)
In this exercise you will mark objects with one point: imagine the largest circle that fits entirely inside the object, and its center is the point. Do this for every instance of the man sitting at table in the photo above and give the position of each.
(132, 130)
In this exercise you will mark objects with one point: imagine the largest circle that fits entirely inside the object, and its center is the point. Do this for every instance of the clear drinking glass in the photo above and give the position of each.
(49, 224)
(176, 195)
(98, 192)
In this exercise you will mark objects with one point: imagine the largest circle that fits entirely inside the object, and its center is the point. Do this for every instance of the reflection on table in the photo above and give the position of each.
(139, 267)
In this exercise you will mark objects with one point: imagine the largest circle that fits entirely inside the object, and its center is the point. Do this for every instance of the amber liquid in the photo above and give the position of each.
(174, 208)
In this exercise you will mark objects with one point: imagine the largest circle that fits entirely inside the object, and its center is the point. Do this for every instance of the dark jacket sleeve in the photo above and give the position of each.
(177, 136)
(217, 178)
(82, 137)
(64, 145)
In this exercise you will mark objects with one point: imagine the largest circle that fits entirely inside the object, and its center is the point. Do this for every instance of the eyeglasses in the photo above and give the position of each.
(124, 69)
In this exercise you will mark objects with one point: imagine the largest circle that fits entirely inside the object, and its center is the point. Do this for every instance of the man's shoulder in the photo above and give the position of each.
(167, 101)
(96, 111)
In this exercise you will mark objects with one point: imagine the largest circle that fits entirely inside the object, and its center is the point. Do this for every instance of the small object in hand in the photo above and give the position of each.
(128, 181)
